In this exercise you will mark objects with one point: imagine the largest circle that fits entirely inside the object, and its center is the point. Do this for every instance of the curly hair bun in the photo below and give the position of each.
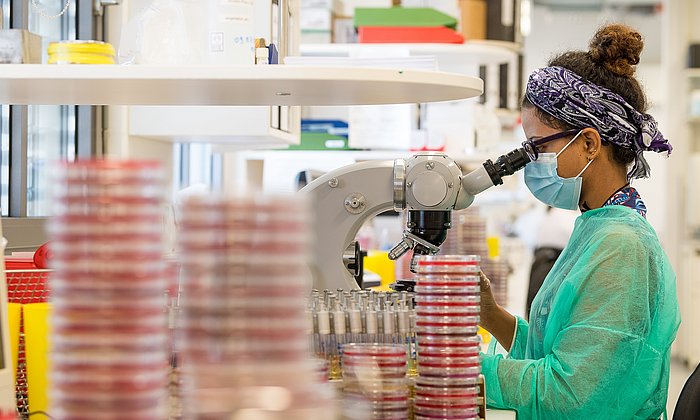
(617, 47)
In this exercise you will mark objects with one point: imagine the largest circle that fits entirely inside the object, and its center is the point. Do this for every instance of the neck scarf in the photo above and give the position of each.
(573, 100)
(628, 197)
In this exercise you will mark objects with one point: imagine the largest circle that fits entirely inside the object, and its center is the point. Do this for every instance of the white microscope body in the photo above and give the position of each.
(428, 185)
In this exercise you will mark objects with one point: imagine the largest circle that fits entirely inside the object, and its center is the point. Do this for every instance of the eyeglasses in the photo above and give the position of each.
(531, 146)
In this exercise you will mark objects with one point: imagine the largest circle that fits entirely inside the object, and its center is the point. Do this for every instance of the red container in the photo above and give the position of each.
(409, 35)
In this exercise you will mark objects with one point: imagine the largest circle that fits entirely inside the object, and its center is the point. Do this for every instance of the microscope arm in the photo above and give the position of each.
(343, 200)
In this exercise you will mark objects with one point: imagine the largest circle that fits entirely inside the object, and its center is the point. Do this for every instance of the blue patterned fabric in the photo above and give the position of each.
(573, 100)
(628, 197)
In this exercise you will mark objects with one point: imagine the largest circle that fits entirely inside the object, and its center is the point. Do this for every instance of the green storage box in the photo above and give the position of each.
(403, 16)
(320, 141)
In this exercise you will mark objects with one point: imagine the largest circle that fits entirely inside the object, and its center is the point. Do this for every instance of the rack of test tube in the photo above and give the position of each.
(360, 316)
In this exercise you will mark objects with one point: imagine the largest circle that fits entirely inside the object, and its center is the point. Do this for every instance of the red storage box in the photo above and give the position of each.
(408, 35)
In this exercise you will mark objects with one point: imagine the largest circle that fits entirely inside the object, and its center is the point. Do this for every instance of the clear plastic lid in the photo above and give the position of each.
(124, 381)
(444, 371)
(106, 209)
(445, 403)
(106, 319)
(379, 400)
(97, 229)
(447, 321)
(95, 295)
(448, 360)
(107, 289)
(377, 350)
(68, 192)
(139, 204)
(452, 352)
(450, 311)
(447, 381)
(450, 290)
(447, 329)
(447, 264)
(446, 299)
(448, 340)
(76, 357)
(108, 400)
(448, 306)
(387, 385)
(87, 412)
(468, 391)
(428, 413)
(97, 247)
(447, 280)
(97, 337)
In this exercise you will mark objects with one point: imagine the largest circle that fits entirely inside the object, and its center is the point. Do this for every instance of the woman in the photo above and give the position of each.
(601, 327)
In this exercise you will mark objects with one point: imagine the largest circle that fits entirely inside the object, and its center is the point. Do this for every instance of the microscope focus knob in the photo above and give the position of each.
(429, 188)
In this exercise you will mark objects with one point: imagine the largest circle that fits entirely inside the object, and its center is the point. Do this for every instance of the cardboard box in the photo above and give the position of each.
(316, 37)
(316, 19)
(344, 30)
(19, 46)
(319, 4)
(347, 7)
(473, 19)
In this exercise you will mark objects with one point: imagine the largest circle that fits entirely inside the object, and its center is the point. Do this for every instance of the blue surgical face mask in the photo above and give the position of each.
(546, 185)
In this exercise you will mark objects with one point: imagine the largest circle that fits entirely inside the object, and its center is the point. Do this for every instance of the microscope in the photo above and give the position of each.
(427, 185)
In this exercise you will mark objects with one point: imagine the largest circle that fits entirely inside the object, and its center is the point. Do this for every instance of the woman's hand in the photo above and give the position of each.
(494, 318)
(489, 306)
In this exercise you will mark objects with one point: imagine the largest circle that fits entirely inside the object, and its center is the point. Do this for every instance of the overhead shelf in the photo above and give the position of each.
(448, 56)
(24, 84)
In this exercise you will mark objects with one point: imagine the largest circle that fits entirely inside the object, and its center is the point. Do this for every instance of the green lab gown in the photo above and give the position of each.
(600, 332)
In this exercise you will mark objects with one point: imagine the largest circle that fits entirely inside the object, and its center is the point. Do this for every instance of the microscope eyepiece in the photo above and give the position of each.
(506, 165)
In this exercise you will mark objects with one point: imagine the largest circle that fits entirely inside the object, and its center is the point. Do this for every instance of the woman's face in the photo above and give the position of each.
(572, 160)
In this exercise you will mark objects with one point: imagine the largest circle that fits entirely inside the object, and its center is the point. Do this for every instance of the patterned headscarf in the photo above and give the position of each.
(571, 99)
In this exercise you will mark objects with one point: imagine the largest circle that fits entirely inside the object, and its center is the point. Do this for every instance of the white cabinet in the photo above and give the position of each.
(246, 126)
(250, 127)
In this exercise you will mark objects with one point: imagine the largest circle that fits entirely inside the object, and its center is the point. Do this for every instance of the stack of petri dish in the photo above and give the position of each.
(471, 232)
(244, 327)
(498, 272)
(374, 382)
(109, 356)
(447, 316)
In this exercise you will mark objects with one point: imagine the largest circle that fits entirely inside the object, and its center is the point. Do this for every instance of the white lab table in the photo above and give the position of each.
(499, 414)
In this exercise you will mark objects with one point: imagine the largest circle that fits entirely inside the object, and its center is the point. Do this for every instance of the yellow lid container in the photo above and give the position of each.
(81, 46)
(493, 244)
(76, 58)
(81, 52)
(36, 352)
(379, 262)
